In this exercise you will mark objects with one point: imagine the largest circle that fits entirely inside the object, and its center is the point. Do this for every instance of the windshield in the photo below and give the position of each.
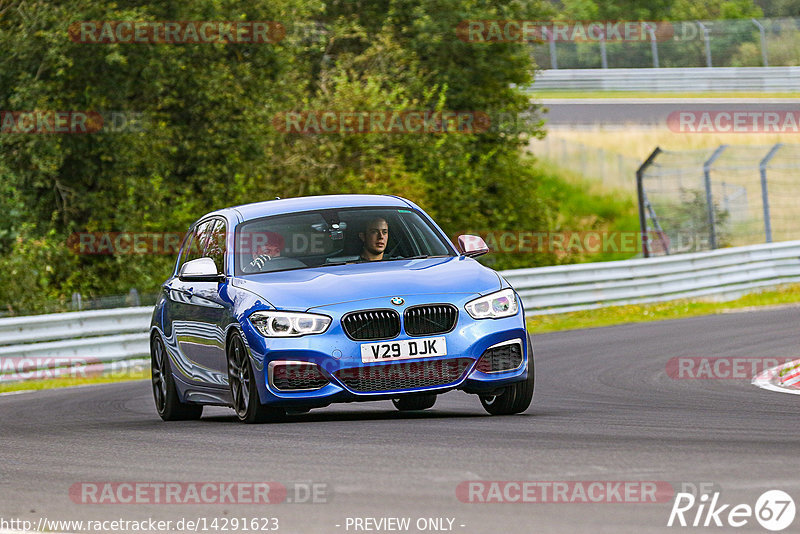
(334, 237)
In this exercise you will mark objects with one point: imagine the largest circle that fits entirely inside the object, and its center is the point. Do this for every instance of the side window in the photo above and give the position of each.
(198, 241)
(215, 249)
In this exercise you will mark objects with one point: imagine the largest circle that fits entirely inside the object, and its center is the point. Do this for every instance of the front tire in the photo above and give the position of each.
(165, 394)
(244, 393)
(515, 398)
(416, 402)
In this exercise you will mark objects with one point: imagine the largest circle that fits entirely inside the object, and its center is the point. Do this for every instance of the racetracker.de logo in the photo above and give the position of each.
(564, 492)
(169, 243)
(175, 32)
(177, 493)
(526, 31)
(18, 368)
(124, 243)
(567, 242)
(381, 122)
(721, 368)
(734, 121)
(50, 122)
(71, 122)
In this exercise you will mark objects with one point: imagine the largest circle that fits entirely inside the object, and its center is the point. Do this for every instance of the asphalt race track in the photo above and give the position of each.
(604, 410)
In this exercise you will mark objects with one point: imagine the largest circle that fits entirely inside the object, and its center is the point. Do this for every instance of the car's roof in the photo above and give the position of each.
(290, 205)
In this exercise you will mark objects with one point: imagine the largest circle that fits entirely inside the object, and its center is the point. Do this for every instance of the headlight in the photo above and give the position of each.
(500, 304)
(289, 324)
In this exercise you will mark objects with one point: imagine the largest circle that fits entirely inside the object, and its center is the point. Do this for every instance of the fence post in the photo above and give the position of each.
(763, 34)
(709, 197)
(601, 162)
(77, 302)
(640, 192)
(552, 40)
(583, 159)
(707, 41)
(762, 167)
(603, 54)
(653, 45)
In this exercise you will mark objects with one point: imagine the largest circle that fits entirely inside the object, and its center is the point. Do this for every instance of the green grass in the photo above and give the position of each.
(67, 382)
(556, 93)
(659, 311)
(588, 205)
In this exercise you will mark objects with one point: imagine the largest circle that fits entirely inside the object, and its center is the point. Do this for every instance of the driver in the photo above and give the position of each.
(266, 245)
(374, 239)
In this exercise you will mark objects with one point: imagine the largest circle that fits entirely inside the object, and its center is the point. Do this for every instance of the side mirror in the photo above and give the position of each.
(472, 246)
(200, 270)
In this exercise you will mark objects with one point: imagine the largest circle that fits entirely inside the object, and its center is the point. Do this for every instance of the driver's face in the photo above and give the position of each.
(268, 248)
(376, 236)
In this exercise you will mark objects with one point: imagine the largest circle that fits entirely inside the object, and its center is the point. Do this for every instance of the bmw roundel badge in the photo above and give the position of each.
(397, 301)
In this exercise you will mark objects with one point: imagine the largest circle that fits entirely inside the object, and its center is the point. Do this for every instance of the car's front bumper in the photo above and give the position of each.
(337, 356)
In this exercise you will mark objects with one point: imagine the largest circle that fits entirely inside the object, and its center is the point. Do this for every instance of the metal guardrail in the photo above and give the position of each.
(697, 79)
(60, 326)
(40, 346)
(722, 273)
(119, 336)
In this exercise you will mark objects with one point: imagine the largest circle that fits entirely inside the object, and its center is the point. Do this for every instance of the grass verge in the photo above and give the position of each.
(51, 383)
(588, 206)
(638, 141)
(679, 309)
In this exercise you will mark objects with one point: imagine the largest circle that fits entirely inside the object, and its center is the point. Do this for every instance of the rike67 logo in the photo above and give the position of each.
(774, 510)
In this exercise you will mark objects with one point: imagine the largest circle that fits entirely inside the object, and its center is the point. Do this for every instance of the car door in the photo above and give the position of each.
(198, 312)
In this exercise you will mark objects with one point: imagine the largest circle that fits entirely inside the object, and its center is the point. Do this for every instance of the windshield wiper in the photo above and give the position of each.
(341, 262)
(420, 257)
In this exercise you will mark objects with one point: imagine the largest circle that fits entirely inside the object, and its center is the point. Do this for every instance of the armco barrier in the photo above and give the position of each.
(92, 336)
(723, 273)
(121, 334)
(700, 79)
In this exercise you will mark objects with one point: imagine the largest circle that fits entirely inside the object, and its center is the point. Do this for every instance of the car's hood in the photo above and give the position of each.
(307, 288)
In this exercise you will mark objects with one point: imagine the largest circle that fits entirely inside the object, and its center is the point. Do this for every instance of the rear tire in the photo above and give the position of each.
(515, 398)
(244, 392)
(415, 402)
(165, 394)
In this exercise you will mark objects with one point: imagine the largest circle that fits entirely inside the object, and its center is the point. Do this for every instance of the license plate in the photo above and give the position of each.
(403, 349)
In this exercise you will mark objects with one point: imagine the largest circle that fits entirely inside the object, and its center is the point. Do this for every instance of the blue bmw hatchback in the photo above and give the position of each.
(287, 305)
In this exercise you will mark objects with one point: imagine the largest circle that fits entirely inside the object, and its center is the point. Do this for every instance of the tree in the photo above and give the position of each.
(206, 137)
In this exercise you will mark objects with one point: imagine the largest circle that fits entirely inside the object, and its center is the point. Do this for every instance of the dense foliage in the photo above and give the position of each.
(206, 139)
(205, 136)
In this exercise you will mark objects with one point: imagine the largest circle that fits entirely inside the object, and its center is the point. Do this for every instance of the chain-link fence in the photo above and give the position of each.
(728, 196)
(80, 303)
(593, 163)
(710, 43)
